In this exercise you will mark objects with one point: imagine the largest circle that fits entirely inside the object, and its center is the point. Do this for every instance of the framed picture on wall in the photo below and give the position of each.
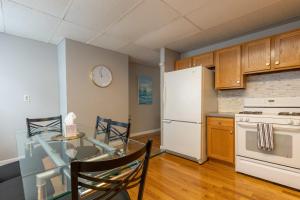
(145, 90)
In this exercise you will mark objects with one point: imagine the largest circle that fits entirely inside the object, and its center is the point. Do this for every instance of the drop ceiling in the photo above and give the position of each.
(140, 27)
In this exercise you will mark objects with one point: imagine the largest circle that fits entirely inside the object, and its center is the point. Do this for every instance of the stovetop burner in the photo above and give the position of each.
(290, 113)
(251, 112)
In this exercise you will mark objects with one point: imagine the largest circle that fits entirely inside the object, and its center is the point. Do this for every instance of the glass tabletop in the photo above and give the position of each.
(45, 159)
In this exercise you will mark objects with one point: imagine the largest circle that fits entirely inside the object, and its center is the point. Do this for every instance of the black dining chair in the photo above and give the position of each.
(102, 125)
(39, 125)
(119, 130)
(114, 187)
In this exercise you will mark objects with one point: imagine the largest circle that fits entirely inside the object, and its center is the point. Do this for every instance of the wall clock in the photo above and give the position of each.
(101, 76)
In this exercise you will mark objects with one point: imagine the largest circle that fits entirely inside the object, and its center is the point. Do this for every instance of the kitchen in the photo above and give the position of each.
(194, 99)
(255, 84)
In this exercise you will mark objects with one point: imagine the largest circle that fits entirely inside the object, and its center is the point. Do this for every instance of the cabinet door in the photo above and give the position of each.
(287, 50)
(183, 63)
(257, 56)
(206, 60)
(220, 143)
(228, 68)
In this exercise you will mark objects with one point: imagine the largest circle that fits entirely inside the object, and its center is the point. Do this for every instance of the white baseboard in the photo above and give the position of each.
(4, 162)
(144, 132)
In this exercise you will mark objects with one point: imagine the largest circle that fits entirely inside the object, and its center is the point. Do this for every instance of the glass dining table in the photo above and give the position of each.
(45, 159)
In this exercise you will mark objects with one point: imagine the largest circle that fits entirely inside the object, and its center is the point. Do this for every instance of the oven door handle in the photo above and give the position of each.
(275, 126)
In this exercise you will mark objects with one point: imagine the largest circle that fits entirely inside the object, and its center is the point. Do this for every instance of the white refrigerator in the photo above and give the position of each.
(188, 95)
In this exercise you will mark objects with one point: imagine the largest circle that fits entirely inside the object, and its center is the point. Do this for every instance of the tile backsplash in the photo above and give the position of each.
(282, 84)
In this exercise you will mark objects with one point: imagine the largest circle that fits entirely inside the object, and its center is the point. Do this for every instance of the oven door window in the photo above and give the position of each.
(283, 144)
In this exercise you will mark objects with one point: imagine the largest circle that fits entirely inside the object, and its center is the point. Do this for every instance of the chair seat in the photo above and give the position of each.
(9, 171)
(123, 195)
(12, 189)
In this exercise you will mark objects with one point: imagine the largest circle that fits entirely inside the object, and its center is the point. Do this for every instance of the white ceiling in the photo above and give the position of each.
(140, 27)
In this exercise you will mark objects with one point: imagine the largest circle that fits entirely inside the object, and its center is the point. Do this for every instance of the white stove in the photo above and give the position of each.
(282, 164)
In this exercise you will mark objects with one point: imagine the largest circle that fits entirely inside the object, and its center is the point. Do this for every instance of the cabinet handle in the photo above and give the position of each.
(268, 64)
(277, 62)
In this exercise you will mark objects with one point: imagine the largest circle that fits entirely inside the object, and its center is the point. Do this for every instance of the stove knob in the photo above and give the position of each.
(247, 120)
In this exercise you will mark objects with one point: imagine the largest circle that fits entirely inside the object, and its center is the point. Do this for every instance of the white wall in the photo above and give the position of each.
(26, 67)
(84, 98)
(144, 117)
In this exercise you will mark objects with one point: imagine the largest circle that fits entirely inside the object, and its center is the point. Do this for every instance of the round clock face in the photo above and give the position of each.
(101, 76)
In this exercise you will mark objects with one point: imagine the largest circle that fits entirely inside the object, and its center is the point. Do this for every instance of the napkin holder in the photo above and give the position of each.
(70, 130)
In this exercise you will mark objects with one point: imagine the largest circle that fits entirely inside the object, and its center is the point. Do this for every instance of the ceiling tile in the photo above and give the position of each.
(109, 42)
(174, 31)
(98, 14)
(218, 12)
(186, 6)
(258, 20)
(72, 31)
(147, 17)
(25, 22)
(56, 8)
(141, 53)
(195, 41)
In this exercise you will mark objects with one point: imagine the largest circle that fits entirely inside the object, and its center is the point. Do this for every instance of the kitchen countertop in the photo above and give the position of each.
(221, 114)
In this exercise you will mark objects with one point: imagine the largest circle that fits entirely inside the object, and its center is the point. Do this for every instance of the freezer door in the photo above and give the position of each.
(182, 92)
(183, 138)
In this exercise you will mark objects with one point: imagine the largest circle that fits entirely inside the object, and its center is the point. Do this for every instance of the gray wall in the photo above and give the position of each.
(84, 98)
(144, 117)
(27, 67)
(283, 84)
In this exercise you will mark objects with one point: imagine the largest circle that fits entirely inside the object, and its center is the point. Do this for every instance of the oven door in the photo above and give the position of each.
(286, 144)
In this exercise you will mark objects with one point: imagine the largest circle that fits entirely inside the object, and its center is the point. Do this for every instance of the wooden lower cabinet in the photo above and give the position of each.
(220, 139)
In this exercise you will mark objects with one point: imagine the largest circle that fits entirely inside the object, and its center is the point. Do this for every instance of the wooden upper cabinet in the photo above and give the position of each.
(257, 56)
(228, 68)
(183, 63)
(206, 60)
(287, 50)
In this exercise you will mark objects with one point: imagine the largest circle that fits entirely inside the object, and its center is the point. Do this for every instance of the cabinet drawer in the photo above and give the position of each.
(216, 121)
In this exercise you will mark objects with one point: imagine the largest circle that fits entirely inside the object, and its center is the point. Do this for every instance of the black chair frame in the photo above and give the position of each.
(114, 133)
(111, 187)
(54, 125)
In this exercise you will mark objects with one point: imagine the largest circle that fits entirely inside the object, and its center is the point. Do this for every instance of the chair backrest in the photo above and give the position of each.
(119, 130)
(39, 125)
(102, 125)
(107, 188)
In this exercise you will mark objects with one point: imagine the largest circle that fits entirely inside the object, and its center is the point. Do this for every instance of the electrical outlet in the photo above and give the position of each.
(27, 98)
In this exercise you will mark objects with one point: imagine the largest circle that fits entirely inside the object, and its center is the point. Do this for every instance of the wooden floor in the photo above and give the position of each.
(170, 177)
(155, 141)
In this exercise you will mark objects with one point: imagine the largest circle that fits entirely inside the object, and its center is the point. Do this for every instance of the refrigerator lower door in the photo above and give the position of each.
(182, 138)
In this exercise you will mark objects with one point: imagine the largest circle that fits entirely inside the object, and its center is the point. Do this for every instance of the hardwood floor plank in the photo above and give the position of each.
(173, 178)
